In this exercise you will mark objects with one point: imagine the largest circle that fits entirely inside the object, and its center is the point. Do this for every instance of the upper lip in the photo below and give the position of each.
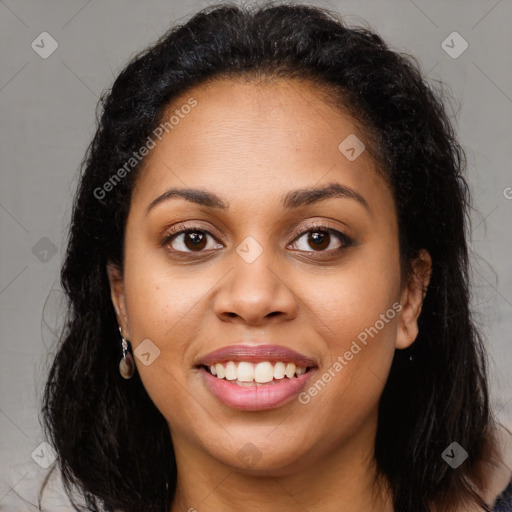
(257, 353)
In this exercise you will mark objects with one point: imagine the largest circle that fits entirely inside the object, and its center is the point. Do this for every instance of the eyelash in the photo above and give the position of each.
(345, 240)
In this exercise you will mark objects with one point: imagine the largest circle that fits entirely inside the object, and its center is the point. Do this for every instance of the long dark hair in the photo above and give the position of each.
(113, 445)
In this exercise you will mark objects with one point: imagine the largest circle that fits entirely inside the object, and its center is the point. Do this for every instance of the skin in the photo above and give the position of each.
(251, 143)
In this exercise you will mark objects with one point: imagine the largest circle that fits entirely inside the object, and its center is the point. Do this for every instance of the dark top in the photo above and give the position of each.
(504, 500)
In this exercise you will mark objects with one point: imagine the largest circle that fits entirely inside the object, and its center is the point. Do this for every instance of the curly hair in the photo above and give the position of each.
(113, 444)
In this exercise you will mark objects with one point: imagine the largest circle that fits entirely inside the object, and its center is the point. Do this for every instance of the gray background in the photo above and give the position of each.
(48, 118)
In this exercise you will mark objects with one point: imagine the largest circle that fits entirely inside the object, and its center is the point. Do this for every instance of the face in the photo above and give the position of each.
(289, 278)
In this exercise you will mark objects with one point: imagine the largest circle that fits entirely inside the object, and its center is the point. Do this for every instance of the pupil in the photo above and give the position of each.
(320, 237)
(197, 238)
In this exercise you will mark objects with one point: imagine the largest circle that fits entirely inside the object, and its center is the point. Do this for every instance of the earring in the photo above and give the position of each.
(411, 358)
(127, 364)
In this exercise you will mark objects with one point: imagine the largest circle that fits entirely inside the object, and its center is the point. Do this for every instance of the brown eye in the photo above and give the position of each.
(320, 238)
(194, 240)
(190, 240)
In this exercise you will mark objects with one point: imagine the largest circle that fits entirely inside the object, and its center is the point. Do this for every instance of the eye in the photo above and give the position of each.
(321, 238)
(192, 239)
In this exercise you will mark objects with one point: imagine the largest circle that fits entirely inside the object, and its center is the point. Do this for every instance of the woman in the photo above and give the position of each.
(268, 281)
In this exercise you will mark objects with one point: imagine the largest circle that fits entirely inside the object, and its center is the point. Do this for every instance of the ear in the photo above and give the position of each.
(117, 293)
(412, 299)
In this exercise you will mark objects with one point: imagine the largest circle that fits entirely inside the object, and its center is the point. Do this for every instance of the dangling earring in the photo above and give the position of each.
(127, 364)
(411, 358)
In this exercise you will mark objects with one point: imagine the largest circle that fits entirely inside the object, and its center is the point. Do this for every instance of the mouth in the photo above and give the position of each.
(255, 378)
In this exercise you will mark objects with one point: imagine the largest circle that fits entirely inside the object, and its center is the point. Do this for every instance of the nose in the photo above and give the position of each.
(255, 293)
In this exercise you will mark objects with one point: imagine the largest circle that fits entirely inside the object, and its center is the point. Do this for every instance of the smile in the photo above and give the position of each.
(255, 377)
(245, 373)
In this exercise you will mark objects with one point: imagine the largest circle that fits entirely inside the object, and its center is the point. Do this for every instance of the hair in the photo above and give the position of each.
(113, 444)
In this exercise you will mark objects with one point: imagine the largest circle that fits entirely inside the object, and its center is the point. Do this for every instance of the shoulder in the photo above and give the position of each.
(503, 502)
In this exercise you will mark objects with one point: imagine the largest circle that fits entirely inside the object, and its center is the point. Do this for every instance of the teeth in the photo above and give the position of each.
(221, 373)
(231, 373)
(244, 373)
(263, 372)
(290, 370)
(279, 370)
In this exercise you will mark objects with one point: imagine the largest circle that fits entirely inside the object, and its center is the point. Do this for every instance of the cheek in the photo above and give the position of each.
(159, 297)
(357, 313)
(355, 298)
(359, 328)
(360, 341)
(163, 306)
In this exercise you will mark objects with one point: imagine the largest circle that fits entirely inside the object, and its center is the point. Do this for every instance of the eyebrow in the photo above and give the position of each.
(292, 199)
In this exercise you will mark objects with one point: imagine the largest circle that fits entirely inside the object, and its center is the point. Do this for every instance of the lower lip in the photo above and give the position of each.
(256, 398)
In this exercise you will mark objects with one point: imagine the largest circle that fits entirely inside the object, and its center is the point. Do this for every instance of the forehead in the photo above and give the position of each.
(245, 139)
